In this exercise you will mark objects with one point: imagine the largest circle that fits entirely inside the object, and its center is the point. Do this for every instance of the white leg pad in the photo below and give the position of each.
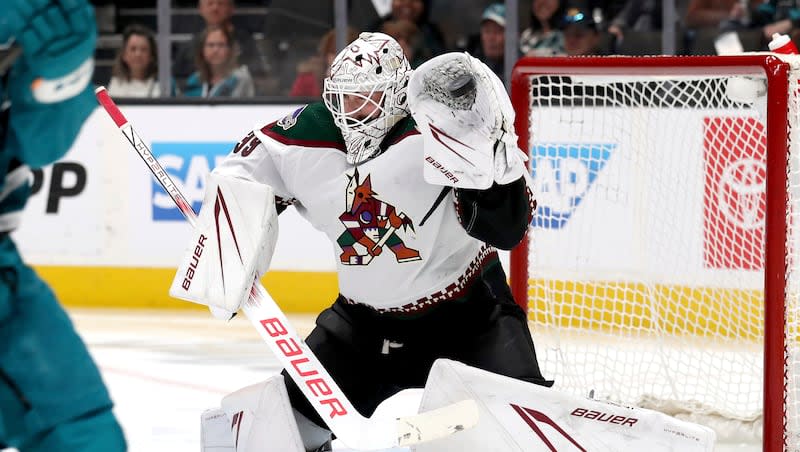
(313, 435)
(517, 416)
(215, 432)
(259, 419)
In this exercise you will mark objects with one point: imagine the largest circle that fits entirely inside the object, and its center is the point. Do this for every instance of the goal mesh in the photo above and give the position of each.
(646, 256)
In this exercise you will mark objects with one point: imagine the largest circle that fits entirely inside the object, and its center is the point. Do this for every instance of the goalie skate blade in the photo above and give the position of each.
(437, 423)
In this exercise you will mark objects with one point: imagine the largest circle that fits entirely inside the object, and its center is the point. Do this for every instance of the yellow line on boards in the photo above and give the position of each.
(147, 288)
(594, 306)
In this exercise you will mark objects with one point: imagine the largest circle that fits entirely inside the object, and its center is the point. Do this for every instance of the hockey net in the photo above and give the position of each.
(660, 266)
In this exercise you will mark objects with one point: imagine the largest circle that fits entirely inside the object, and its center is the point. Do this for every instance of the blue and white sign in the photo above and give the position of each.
(562, 175)
(188, 164)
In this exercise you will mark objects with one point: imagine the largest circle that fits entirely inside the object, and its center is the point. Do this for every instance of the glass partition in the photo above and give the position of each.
(281, 48)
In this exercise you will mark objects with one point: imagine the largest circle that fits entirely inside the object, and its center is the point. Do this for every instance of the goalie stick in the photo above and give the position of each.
(367, 258)
(350, 427)
(8, 55)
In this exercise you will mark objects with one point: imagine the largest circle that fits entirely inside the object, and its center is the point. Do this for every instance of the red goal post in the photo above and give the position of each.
(668, 198)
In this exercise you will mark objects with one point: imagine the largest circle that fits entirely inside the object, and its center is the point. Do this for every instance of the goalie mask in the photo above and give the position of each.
(366, 92)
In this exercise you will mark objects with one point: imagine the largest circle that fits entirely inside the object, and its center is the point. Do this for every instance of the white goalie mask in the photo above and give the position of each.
(366, 92)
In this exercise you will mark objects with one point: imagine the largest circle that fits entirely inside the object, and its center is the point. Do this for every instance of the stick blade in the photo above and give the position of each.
(438, 423)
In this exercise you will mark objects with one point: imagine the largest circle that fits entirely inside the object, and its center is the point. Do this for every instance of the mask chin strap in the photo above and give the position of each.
(362, 142)
(385, 142)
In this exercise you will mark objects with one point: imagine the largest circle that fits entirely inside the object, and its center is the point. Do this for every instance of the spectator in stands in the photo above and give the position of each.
(219, 13)
(218, 72)
(637, 15)
(544, 37)
(491, 46)
(778, 17)
(581, 33)
(135, 69)
(408, 36)
(600, 10)
(312, 72)
(417, 11)
(727, 14)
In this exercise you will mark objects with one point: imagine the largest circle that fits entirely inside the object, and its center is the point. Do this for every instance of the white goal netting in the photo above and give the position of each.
(647, 253)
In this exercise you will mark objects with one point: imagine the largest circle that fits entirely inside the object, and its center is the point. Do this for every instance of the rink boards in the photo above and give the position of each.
(99, 229)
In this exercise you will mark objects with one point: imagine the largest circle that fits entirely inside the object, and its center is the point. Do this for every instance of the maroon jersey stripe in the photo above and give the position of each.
(267, 130)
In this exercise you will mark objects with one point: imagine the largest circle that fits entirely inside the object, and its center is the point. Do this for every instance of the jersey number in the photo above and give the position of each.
(247, 145)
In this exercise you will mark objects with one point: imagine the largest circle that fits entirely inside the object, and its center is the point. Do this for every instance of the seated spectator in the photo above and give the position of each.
(408, 36)
(726, 14)
(544, 37)
(218, 13)
(775, 16)
(417, 11)
(135, 69)
(581, 34)
(601, 10)
(218, 72)
(637, 15)
(312, 72)
(491, 45)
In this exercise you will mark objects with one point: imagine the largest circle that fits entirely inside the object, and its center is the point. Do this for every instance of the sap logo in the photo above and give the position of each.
(65, 180)
(562, 175)
(188, 164)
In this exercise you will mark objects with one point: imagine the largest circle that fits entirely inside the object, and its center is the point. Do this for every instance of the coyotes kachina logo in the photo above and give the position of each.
(370, 225)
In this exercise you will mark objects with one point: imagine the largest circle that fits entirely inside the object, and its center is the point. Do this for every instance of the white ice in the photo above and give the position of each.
(164, 369)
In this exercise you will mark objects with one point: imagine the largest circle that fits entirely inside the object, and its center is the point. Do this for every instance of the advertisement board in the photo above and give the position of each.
(98, 207)
(102, 233)
(682, 204)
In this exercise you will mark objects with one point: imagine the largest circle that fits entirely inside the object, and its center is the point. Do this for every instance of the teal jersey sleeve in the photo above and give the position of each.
(39, 134)
(49, 85)
(11, 22)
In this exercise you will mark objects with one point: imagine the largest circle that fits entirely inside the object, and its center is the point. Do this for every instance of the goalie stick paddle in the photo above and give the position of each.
(350, 427)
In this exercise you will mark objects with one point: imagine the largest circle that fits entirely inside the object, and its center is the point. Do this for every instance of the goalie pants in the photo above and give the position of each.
(52, 397)
(361, 348)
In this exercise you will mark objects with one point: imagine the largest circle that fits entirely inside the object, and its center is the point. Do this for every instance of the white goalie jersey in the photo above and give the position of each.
(387, 257)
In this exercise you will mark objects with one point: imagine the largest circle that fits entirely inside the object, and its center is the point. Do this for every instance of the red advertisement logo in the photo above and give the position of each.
(734, 201)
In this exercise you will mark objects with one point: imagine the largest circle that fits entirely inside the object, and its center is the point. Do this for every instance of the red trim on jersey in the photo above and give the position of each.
(457, 289)
(267, 130)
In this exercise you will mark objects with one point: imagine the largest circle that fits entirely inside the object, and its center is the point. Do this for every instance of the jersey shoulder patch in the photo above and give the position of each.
(310, 126)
